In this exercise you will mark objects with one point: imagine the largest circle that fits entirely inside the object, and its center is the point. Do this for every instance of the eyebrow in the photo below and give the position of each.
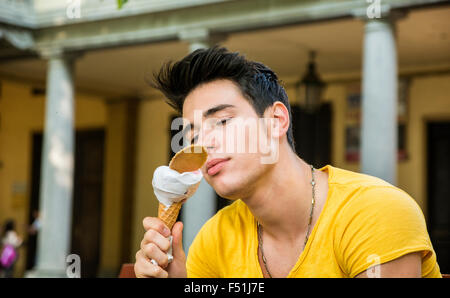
(208, 113)
(216, 109)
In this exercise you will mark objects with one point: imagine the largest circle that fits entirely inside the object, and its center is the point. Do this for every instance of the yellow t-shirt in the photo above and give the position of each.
(364, 220)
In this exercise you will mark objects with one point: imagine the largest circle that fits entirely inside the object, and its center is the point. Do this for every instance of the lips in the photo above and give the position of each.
(215, 165)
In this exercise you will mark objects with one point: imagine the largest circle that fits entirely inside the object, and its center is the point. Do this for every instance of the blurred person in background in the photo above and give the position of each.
(10, 241)
(36, 224)
(33, 231)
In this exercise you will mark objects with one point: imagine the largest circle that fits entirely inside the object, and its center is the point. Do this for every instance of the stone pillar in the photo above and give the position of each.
(54, 238)
(197, 38)
(379, 100)
(202, 206)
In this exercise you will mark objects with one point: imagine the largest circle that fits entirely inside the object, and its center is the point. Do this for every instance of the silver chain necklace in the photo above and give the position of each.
(259, 227)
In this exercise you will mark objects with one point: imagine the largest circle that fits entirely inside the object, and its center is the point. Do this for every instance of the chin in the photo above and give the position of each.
(231, 189)
(232, 196)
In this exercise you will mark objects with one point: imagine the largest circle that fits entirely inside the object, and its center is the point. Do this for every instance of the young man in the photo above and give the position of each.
(287, 219)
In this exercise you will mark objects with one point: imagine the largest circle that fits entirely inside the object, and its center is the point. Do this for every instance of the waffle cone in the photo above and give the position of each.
(169, 215)
(187, 160)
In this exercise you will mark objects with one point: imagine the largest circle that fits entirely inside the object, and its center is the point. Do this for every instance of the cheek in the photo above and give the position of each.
(240, 171)
(240, 138)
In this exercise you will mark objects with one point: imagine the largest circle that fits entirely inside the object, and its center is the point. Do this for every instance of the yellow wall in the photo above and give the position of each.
(21, 115)
(119, 186)
(113, 189)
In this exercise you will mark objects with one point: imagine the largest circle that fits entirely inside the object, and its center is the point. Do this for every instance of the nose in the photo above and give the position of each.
(208, 140)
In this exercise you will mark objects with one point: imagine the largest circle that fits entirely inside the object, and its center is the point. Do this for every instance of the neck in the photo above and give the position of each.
(281, 200)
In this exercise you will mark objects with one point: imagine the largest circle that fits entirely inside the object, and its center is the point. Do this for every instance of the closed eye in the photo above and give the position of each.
(223, 121)
(219, 122)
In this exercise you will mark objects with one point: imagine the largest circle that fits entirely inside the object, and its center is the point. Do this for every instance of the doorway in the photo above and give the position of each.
(312, 134)
(438, 190)
(87, 198)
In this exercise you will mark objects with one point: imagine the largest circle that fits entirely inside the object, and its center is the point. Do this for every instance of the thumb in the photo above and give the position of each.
(177, 240)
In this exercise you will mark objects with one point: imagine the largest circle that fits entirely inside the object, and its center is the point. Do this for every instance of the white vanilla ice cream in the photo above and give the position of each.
(170, 186)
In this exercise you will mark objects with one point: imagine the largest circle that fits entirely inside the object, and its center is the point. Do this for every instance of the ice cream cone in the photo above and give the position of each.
(169, 215)
(188, 159)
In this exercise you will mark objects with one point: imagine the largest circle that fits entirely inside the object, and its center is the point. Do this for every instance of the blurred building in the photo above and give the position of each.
(81, 132)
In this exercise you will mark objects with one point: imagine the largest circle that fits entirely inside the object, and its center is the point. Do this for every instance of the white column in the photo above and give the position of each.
(202, 206)
(54, 238)
(379, 101)
(198, 44)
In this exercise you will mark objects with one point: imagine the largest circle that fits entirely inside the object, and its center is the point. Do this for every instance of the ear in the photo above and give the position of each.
(280, 115)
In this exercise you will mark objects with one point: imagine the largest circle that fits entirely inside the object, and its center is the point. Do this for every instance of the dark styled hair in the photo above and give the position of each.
(258, 83)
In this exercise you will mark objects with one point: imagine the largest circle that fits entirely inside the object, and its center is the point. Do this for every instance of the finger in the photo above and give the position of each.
(156, 224)
(140, 266)
(144, 268)
(177, 241)
(152, 252)
(152, 236)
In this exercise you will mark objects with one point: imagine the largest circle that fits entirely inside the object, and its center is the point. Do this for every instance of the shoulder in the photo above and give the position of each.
(375, 218)
(385, 203)
(364, 194)
(372, 204)
(344, 177)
